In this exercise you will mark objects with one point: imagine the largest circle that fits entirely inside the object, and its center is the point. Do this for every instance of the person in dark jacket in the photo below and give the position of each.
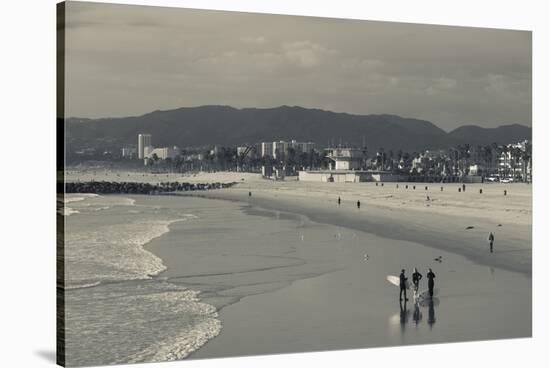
(431, 276)
(402, 286)
(491, 240)
(339, 201)
(416, 276)
(358, 204)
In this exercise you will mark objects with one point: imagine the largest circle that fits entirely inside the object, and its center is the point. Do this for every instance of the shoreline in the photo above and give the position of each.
(513, 250)
(282, 309)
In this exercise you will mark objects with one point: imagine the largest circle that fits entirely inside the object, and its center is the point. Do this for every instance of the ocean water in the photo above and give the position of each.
(117, 309)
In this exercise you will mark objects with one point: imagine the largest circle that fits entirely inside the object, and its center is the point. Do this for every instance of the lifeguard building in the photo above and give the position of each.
(346, 158)
(346, 166)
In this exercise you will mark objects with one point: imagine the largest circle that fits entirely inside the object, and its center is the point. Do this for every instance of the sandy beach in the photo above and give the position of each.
(458, 222)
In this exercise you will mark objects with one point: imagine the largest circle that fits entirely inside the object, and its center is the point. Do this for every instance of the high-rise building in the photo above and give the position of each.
(267, 149)
(280, 149)
(144, 140)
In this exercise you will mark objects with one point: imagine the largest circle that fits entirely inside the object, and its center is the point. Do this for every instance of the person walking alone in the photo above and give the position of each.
(491, 240)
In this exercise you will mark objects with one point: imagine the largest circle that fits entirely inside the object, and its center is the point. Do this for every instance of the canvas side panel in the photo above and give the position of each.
(60, 184)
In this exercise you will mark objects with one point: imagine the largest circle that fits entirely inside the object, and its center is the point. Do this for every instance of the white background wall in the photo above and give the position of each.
(28, 231)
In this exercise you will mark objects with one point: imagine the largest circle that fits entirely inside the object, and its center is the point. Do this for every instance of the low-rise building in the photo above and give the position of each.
(280, 149)
(129, 152)
(162, 152)
(347, 158)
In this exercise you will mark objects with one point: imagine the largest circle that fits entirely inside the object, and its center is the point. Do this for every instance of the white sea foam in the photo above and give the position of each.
(78, 197)
(115, 311)
(114, 252)
(136, 322)
(67, 211)
(82, 286)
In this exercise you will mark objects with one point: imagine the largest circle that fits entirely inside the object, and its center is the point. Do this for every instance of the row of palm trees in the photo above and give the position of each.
(493, 159)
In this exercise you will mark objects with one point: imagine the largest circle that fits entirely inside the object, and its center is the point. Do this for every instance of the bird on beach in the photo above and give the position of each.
(438, 259)
(469, 227)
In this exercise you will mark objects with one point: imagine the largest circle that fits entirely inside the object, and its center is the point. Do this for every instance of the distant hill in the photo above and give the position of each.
(476, 135)
(227, 126)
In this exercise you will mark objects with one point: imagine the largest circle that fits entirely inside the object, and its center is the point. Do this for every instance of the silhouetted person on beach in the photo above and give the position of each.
(402, 286)
(441, 188)
(358, 204)
(431, 276)
(416, 276)
(480, 191)
(491, 240)
(463, 187)
(505, 192)
(250, 194)
(339, 201)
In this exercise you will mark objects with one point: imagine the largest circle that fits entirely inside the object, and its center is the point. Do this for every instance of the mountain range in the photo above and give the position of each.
(228, 126)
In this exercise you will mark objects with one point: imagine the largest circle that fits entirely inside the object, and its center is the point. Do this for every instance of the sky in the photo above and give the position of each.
(124, 60)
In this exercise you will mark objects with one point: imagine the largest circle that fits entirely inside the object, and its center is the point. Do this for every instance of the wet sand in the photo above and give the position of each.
(458, 231)
(284, 283)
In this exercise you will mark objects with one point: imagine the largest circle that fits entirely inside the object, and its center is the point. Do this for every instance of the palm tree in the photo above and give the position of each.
(526, 157)
(487, 154)
(515, 154)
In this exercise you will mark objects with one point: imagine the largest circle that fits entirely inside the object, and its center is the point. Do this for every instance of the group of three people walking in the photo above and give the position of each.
(416, 277)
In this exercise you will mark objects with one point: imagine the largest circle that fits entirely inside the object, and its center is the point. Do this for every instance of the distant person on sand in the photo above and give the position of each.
(339, 201)
(416, 276)
(431, 276)
(402, 286)
(463, 187)
(250, 194)
(505, 192)
(491, 240)
(358, 204)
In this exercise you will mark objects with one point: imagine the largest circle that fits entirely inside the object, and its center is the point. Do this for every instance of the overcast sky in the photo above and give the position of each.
(129, 60)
